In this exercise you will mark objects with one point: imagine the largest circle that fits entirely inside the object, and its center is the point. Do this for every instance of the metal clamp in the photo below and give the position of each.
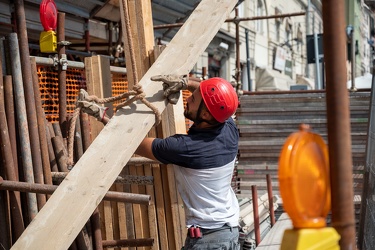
(63, 62)
(64, 43)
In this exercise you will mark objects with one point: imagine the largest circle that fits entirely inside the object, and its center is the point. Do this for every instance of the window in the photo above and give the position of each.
(288, 29)
(260, 12)
(278, 22)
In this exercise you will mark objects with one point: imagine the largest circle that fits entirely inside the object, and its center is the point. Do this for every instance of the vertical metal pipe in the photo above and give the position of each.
(87, 35)
(51, 152)
(95, 225)
(6, 152)
(110, 38)
(78, 139)
(270, 200)
(352, 65)
(23, 129)
(3, 57)
(29, 97)
(370, 151)
(317, 62)
(238, 65)
(204, 72)
(248, 61)
(85, 128)
(41, 124)
(57, 129)
(61, 156)
(254, 194)
(11, 120)
(62, 74)
(5, 240)
(307, 73)
(338, 123)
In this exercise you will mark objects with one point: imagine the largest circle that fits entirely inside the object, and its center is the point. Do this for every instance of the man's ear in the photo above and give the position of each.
(206, 115)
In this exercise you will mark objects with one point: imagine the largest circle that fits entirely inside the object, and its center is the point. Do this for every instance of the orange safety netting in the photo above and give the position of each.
(75, 80)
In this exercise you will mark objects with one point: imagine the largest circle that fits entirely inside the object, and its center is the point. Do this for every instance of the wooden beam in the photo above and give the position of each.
(98, 82)
(142, 220)
(66, 212)
(273, 239)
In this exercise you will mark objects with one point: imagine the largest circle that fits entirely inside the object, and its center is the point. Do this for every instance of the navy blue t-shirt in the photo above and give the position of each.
(200, 148)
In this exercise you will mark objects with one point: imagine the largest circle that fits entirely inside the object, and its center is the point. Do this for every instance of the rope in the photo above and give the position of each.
(71, 137)
(137, 92)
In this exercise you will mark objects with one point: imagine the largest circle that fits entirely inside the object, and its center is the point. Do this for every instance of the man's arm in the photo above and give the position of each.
(193, 83)
(145, 148)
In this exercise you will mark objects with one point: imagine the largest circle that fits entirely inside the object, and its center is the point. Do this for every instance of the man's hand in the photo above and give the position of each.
(172, 85)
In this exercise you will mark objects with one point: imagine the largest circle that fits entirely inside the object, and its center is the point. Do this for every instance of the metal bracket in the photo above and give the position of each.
(55, 59)
(63, 62)
(64, 43)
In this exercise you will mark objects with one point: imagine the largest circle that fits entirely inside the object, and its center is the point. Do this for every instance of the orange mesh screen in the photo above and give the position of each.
(49, 91)
(119, 86)
(75, 80)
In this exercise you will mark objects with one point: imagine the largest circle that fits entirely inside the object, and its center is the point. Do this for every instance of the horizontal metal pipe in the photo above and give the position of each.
(175, 25)
(265, 17)
(128, 179)
(115, 69)
(79, 53)
(49, 189)
(246, 92)
(147, 242)
(48, 61)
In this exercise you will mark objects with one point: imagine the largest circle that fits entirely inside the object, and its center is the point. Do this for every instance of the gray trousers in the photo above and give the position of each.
(223, 239)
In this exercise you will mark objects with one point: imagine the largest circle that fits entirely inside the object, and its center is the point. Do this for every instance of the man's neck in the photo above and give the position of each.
(205, 125)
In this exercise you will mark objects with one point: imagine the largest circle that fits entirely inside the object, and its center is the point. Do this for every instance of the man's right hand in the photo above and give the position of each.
(172, 85)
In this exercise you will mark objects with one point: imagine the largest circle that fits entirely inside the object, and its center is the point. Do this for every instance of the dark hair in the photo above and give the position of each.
(212, 121)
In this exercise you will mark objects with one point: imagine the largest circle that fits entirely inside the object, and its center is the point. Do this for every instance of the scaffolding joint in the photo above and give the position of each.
(63, 62)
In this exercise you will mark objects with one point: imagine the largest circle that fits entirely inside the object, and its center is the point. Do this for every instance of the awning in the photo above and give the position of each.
(361, 82)
(301, 80)
(271, 80)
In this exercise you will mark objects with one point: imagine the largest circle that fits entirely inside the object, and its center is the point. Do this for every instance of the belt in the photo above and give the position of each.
(197, 232)
(212, 230)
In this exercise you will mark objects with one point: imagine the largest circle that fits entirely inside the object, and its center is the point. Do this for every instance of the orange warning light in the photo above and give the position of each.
(304, 179)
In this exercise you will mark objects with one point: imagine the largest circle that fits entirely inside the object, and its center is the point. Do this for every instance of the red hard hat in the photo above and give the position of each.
(220, 98)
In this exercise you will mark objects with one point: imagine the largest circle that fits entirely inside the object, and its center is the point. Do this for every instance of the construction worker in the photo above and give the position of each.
(203, 159)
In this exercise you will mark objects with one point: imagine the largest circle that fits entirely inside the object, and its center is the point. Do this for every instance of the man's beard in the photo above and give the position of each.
(188, 114)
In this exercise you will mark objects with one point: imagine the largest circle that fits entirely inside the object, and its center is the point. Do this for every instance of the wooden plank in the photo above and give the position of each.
(272, 240)
(138, 211)
(173, 122)
(160, 209)
(68, 209)
(153, 228)
(142, 32)
(121, 215)
(98, 82)
(98, 79)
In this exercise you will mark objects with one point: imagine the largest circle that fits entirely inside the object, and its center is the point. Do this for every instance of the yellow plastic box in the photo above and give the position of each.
(311, 239)
(48, 42)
